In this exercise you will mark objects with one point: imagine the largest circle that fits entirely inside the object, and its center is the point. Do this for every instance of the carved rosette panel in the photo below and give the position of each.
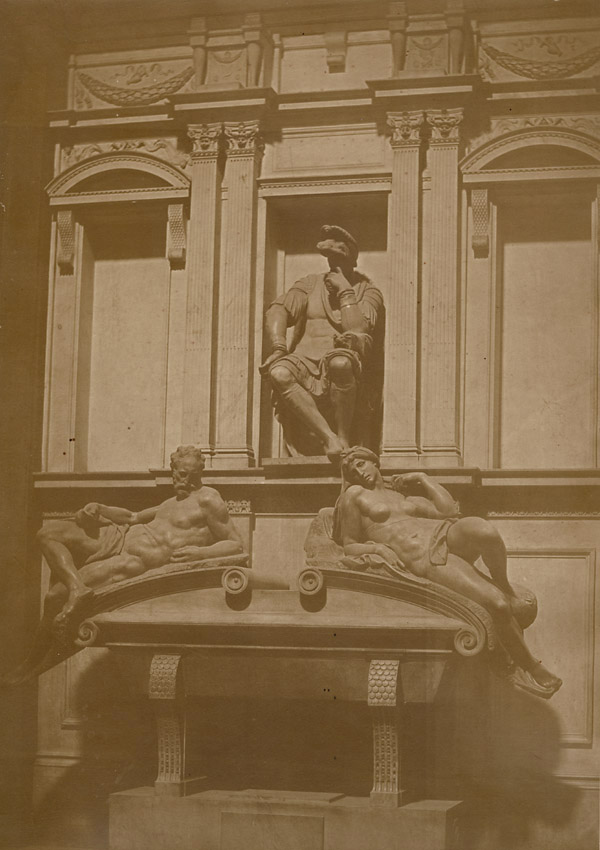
(206, 140)
(177, 236)
(445, 125)
(382, 687)
(139, 84)
(163, 677)
(480, 209)
(406, 128)
(243, 139)
(162, 689)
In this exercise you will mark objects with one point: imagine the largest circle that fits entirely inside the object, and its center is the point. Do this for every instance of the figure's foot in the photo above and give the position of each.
(545, 688)
(333, 449)
(545, 678)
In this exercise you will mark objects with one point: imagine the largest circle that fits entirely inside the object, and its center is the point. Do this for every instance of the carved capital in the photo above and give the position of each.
(65, 255)
(444, 125)
(243, 139)
(206, 139)
(406, 128)
(481, 222)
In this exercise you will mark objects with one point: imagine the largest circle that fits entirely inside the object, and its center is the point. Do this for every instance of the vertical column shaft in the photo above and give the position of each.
(201, 283)
(236, 297)
(400, 410)
(440, 342)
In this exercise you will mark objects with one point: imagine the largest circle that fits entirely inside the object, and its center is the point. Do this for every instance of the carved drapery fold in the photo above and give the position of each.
(400, 413)
(65, 255)
(382, 700)
(481, 222)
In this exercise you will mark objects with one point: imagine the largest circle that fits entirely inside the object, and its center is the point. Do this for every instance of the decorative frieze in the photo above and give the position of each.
(164, 149)
(128, 85)
(65, 255)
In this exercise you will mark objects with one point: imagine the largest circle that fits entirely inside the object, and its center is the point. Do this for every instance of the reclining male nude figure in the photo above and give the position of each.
(105, 544)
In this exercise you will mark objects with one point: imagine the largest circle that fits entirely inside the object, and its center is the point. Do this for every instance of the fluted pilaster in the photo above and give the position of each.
(440, 331)
(233, 446)
(204, 219)
(400, 410)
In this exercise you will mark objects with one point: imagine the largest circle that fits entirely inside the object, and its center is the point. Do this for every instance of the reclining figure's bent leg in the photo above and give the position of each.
(473, 537)
(461, 576)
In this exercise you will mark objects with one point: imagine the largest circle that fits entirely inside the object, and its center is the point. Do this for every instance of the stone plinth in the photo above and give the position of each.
(256, 820)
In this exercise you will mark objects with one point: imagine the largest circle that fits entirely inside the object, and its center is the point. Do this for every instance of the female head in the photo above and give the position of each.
(360, 466)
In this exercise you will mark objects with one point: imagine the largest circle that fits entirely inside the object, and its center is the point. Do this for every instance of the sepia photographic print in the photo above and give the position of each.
(299, 346)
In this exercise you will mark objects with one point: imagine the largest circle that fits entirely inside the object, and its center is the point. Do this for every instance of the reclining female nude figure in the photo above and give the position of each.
(424, 535)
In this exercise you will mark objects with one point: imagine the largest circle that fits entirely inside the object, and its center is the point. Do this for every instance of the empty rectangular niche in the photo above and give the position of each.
(123, 342)
(547, 328)
(293, 230)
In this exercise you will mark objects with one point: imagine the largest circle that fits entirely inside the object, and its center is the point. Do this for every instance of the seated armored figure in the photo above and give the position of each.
(105, 544)
(327, 379)
(425, 535)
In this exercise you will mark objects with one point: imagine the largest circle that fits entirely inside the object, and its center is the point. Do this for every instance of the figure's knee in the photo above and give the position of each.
(340, 370)
(480, 530)
(499, 608)
(281, 377)
(55, 599)
(54, 531)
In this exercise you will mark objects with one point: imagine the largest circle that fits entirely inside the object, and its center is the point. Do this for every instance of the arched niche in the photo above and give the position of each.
(117, 289)
(112, 177)
(531, 278)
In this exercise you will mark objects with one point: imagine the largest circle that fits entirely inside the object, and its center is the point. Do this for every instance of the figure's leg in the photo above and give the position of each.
(303, 406)
(342, 393)
(473, 537)
(53, 603)
(60, 541)
(460, 576)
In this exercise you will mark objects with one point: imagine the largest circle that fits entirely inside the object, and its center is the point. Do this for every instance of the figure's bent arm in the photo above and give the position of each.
(440, 497)
(277, 320)
(95, 512)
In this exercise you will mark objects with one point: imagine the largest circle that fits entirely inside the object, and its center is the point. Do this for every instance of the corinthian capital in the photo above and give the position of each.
(243, 138)
(406, 128)
(205, 140)
(444, 125)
